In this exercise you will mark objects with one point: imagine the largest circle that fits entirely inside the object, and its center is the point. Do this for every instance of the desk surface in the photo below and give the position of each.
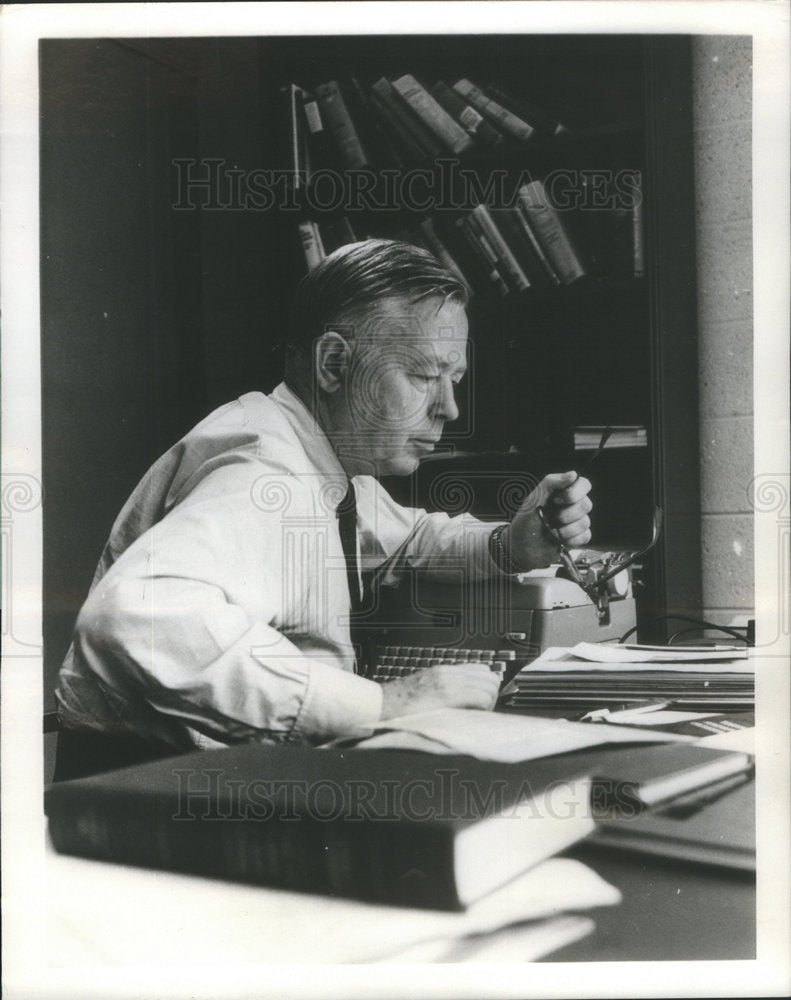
(102, 913)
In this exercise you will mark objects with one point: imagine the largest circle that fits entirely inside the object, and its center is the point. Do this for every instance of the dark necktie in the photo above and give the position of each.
(347, 528)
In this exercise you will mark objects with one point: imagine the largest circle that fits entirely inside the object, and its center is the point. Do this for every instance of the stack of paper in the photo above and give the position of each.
(102, 914)
(591, 674)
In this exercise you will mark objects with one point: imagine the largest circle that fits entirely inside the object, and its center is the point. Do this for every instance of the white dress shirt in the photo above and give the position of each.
(220, 608)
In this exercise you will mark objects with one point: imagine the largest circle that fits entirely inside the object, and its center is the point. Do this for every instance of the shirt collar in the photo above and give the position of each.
(311, 436)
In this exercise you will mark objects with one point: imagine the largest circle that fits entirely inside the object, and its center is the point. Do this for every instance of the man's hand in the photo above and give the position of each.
(566, 505)
(447, 685)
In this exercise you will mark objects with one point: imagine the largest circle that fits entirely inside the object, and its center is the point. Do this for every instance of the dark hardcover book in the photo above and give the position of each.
(523, 248)
(542, 121)
(409, 148)
(311, 243)
(483, 255)
(507, 264)
(648, 777)
(503, 119)
(343, 129)
(375, 138)
(321, 148)
(522, 222)
(436, 245)
(385, 826)
(336, 233)
(421, 135)
(721, 832)
(551, 232)
(472, 121)
(449, 132)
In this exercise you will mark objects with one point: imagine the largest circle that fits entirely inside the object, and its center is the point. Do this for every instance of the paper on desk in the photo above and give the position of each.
(617, 653)
(107, 914)
(558, 659)
(495, 736)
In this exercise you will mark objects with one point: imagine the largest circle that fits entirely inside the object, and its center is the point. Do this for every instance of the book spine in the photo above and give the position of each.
(522, 247)
(510, 265)
(429, 146)
(543, 123)
(312, 247)
(523, 222)
(318, 141)
(550, 232)
(440, 251)
(433, 114)
(482, 252)
(469, 119)
(340, 124)
(638, 244)
(508, 121)
(385, 149)
(296, 152)
(410, 147)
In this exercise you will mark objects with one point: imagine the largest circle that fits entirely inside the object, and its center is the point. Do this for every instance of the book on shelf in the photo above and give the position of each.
(542, 122)
(338, 120)
(421, 140)
(500, 117)
(517, 234)
(470, 120)
(522, 223)
(551, 232)
(435, 244)
(320, 144)
(443, 125)
(587, 437)
(507, 264)
(401, 828)
(336, 232)
(483, 261)
(311, 243)
(375, 138)
(292, 141)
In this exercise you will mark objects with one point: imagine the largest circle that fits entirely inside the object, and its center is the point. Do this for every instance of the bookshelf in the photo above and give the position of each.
(617, 346)
(175, 308)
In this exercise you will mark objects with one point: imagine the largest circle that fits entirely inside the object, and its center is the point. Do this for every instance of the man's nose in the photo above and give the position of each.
(445, 407)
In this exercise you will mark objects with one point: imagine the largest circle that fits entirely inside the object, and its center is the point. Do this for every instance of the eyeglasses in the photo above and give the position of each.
(599, 573)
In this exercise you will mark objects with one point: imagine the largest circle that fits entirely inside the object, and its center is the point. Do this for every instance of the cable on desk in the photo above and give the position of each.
(737, 632)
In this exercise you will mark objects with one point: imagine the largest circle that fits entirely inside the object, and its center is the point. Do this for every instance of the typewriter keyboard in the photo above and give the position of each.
(390, 662)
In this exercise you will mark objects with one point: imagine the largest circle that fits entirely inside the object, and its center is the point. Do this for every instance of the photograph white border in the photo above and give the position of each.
(25, 973)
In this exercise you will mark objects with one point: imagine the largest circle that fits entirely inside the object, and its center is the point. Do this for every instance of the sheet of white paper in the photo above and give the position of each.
(664, 717)
(742, 740)
(99, 913)
(613, 653)
(560, 659)
(500, 737)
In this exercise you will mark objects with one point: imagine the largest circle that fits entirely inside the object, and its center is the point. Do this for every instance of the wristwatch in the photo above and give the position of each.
(499, 553)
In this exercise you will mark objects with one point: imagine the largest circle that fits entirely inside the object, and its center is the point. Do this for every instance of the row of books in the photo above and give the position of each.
(400, 123)
(507, 249)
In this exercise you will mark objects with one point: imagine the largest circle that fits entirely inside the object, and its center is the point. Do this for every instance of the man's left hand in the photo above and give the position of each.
(566, 504)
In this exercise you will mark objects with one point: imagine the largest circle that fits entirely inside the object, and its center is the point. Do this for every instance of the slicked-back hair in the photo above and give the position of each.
(347, 284)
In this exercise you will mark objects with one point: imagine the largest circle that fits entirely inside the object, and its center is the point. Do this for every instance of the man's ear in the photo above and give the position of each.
(331, 358)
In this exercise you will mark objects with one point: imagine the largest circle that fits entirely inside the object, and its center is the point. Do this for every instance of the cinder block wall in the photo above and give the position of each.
(722, 69)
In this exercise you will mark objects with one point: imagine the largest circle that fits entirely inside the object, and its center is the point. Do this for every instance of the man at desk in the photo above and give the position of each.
(220, 608)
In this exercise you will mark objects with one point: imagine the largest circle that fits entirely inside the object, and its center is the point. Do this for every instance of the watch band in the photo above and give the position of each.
(499, 553)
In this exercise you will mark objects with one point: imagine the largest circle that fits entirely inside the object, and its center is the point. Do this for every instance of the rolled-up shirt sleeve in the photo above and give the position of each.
(399, 539)
(229, 618)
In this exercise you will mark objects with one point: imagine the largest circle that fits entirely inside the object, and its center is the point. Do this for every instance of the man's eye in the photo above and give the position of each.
(423, 377)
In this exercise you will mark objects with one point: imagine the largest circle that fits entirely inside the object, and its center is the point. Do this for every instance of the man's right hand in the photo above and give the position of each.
(447, 685)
